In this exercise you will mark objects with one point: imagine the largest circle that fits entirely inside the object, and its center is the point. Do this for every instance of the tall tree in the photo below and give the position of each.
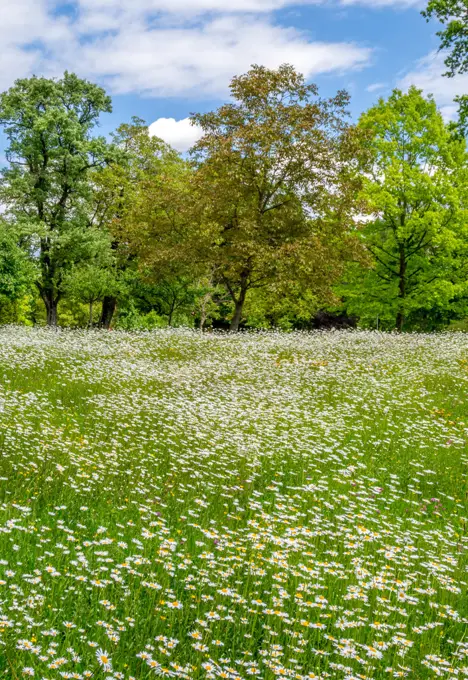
(416, 196)
(453, 14)
(124, 197)
(275, 175)
(52, 154)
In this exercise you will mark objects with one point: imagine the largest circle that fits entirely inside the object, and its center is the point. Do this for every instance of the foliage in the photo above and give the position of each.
(172, 298)
(47, 188)
(129, 201)
(416, 233)
(274, 168)
(281, 211)
(16, 274)
(90, 283)
(453, 37)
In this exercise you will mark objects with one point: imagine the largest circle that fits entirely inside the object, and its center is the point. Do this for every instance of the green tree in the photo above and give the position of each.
(275, 176)
(127, 196)
(416, 197)
(209, 300)
(52, 155)
(453, 14)
(92, 280)
(172, 298)
(16, 272)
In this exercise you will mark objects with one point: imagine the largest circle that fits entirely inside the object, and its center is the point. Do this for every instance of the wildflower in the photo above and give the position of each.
(104, 660)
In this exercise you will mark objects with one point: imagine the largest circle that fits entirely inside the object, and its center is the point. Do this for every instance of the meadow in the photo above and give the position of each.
(227, 506)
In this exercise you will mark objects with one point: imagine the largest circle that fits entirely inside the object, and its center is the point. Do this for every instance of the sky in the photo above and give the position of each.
(161, 60)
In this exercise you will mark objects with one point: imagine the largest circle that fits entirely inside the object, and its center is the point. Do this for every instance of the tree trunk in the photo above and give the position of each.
(203, 312)
(171, 314)
(47, 285)
(91, 314)
(109, 305)
(239, 306)
(238, 300)
(52, 313)
(51, 304)
(201, 325)
(400, 320)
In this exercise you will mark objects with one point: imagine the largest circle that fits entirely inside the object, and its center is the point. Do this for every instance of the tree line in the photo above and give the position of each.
(283, 208)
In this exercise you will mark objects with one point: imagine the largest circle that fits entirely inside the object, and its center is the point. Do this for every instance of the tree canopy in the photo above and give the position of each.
(453, 14)
(284, 212)
(46, 188)
(416, 195)
(274, 166)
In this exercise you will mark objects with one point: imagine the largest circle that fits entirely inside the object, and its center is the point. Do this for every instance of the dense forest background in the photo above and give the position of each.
(284, 215)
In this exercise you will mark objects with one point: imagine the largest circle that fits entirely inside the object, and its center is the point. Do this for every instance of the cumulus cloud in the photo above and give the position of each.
(180, 134)
(165, 47)
(200, 60)
(23, 25)
(428, 76)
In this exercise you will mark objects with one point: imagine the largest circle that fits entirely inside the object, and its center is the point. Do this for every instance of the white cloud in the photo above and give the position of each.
(123, 45)
(200, 60)
(187, 7)
(180, 134)
(23, 25)
(378, 4)
(375, 87)
(193, 7)
(166, 47)
(428, 76)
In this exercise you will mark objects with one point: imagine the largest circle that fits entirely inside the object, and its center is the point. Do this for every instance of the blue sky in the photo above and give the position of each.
(163, 59)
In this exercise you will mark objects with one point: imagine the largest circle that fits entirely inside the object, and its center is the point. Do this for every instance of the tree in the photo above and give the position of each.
(173, 297)
(453, 14)
(47, 188)
(124, 195)
(416, 196)
(276, 179)
(209, 300)
(90, 281)
(16, 272)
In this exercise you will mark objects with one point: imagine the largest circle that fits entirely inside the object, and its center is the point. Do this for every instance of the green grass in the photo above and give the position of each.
(229, 506)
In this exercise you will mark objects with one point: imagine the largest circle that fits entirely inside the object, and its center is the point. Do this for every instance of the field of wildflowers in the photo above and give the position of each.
(209, 506)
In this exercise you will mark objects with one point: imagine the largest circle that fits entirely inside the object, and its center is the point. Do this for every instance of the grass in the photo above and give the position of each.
(216, 506)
